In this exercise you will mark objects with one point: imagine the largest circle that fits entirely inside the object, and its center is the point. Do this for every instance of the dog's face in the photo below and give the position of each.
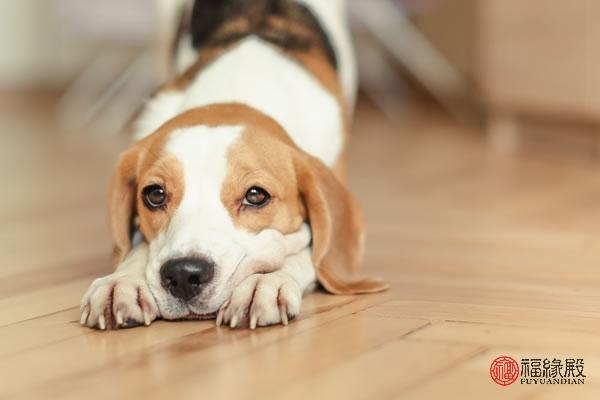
(206, 188)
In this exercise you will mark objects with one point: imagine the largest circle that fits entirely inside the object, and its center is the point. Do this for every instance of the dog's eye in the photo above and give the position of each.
(256, 197)
(154, 196)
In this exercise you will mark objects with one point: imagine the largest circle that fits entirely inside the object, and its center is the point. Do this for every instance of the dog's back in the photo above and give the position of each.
(201, 20)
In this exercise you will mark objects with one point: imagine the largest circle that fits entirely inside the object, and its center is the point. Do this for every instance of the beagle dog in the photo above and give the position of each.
(231, 204)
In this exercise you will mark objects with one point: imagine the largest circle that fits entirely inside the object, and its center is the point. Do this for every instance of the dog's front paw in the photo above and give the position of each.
(118, 301)
(262, 300)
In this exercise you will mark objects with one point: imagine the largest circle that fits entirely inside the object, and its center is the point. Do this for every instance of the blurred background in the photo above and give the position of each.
(506, 67)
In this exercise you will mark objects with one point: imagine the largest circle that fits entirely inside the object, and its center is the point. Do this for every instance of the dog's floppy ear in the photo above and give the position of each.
(337, 228)
(121, 203)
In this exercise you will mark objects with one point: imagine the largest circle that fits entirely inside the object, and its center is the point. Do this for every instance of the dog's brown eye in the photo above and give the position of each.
(256, 197)
(154, 196)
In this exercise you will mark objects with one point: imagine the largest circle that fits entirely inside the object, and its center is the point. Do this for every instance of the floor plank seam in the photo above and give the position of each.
(39, 317)
(512, 347)
(496, 324)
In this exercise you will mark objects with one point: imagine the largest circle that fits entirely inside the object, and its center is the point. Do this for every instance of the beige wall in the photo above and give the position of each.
(541, 59)
(41, 46)
(451, 26)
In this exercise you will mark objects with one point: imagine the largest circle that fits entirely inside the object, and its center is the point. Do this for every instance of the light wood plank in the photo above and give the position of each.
(380, 373)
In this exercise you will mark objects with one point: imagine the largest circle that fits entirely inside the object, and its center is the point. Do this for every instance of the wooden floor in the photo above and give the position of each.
(488, 255)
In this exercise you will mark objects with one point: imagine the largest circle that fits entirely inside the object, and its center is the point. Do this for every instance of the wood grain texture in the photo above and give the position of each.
(487, 255)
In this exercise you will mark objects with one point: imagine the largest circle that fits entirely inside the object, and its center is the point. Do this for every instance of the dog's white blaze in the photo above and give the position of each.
(201, 216)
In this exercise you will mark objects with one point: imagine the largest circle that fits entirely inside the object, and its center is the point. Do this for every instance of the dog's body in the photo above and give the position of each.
(235, 156)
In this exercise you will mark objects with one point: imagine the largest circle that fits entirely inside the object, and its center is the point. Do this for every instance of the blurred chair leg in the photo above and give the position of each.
(139, 81)
(379, 80)
(113, 85)
(103, 76)
(102, 81)
(388, 23)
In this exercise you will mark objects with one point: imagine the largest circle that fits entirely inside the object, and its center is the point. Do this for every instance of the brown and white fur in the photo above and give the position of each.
(262, 99)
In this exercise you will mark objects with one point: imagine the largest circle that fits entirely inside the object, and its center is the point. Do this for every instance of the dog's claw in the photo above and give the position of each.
(147, 319)
(234, 321)
(102, 322)
(253, 321)
(283, 314)
(119, 318)
(220, 314)
(84, 316)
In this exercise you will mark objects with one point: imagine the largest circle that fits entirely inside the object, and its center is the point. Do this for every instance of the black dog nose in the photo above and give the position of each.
(185, 277)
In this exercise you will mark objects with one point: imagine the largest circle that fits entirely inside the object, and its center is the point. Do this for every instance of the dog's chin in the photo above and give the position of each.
(195, 316)
(180, 312)
(171, 308)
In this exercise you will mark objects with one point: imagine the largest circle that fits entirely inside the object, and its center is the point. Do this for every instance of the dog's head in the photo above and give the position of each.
(203, 188)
